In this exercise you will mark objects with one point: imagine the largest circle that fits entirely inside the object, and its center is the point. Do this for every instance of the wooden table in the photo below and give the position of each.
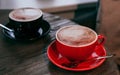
(30, 58)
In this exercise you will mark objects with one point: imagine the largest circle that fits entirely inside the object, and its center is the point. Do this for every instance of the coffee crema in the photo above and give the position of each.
(25, 14)
(76, 35)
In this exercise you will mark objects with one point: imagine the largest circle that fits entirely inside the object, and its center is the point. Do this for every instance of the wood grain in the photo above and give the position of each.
(30, 58)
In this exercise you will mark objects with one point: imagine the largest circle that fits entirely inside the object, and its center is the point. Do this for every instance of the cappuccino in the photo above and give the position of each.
(25, 14)
(76, 35)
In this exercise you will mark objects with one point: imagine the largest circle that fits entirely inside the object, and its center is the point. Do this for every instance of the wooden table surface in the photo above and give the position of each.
(30, 58)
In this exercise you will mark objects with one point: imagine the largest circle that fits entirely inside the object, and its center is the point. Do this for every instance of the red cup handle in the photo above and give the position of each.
(101, 39)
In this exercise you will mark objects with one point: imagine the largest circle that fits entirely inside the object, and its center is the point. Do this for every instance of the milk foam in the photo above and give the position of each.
(25, 14)
(76, 35)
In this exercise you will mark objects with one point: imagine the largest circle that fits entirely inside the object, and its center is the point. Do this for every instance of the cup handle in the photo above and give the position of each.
(101, 40)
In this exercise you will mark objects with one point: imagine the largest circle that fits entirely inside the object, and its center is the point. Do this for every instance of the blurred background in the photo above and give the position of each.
(82, 12)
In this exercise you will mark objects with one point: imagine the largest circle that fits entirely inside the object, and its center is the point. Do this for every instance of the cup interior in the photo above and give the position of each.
(75, 33)
(25, 14)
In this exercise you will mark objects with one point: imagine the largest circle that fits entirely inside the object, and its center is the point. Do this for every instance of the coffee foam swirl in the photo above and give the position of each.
(25, 14)
(76, 35)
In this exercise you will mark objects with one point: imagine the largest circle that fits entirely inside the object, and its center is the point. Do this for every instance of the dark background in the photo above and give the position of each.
(86, 15)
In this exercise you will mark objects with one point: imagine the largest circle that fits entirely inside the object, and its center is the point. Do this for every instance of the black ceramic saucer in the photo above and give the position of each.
(44, 30)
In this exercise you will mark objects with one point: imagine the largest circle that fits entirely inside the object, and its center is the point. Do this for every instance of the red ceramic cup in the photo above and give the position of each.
(78, 53)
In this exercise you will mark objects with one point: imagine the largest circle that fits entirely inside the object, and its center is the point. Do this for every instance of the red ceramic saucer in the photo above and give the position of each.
(91, 63)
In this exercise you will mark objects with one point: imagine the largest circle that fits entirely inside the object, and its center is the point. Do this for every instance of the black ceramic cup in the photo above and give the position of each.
(25, 22)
